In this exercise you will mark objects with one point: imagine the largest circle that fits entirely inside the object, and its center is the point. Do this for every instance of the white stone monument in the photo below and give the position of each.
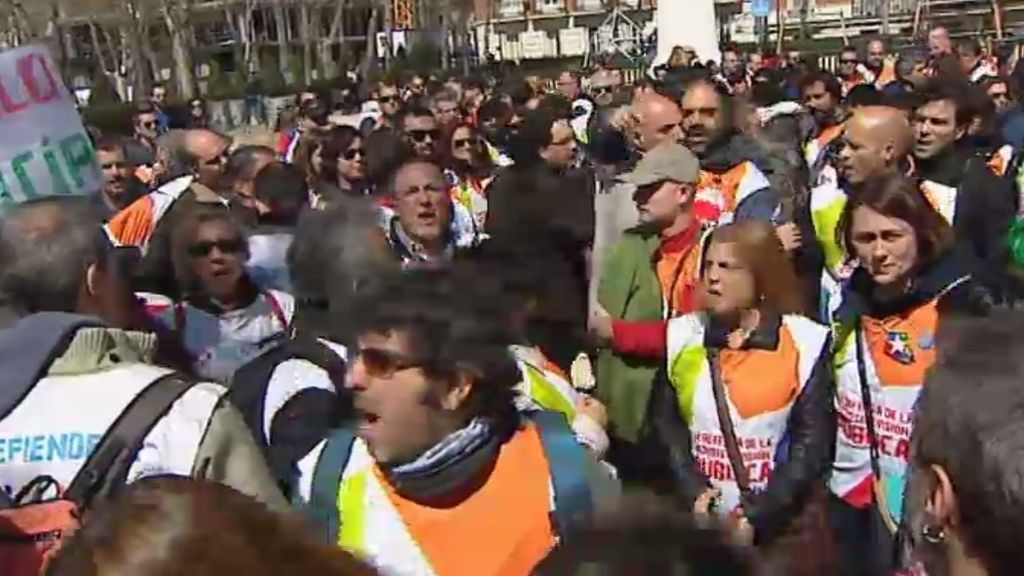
(687, 23)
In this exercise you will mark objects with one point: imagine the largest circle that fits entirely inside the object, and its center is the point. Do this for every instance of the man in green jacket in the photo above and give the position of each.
(650, 274)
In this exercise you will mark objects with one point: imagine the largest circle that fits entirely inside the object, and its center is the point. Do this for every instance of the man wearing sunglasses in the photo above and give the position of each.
(389, 98)
(420, 132)
(437, 452)
(140, 150)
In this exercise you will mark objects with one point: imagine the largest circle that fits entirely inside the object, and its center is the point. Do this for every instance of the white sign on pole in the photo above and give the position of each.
(534, 44)
(573, 41)
(45, 150)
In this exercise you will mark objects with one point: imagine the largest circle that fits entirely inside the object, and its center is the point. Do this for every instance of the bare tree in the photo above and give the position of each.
(283, 38)
(306, 39)
(175, 14)
(335, 34)
(371, 36)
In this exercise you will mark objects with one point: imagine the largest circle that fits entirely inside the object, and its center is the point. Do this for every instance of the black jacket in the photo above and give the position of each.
(985, 209)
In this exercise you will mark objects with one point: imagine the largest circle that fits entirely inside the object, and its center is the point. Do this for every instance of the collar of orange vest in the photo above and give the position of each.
(764, 337)
(947, 272)
(455, 467)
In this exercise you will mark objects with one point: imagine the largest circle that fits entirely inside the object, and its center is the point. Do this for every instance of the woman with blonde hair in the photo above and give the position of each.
(751, 381)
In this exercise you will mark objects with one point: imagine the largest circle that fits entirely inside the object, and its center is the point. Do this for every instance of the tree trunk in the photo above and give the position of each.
(281, 25)
(307, 42)
(94, 36)
(389, 26)
(328, 64)
(175, 19)
(371, 40)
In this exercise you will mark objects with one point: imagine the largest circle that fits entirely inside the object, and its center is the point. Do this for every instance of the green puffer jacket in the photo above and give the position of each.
(629, 290)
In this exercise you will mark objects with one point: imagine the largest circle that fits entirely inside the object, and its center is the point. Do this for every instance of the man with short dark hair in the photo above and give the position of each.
(822, 95)
(568, 84)
(446, 109)
(851, 72)
(119, 187)
(158, 99)
(978, 204)
(281, 194)
(1009, 116)
(140, 151)
(420, 132)
(972, 61)
(243, 165)
(389, 98)
(939, 43)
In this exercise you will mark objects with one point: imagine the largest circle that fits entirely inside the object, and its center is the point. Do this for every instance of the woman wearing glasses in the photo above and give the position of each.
(468, 170)
(223, 319)
(342, 166)
(749, 376)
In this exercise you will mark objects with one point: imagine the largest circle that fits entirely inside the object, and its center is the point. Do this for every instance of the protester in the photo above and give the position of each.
(851, 72)
(963, 502)
(98, 359)
(196, 528)
(433, 384)
(1010, 116)
(140, 150)
(421, 230)
(978, 204)
(420, 132)
(312, 118)
(281, 196)
(732, 187)
(223, 318)
(542, 211)
(972, 62)
(241, 169)
(779, 394)
(120, 187)
(822, 95)
(389, 99)
(198, 118)
(468, 170)
(447, 110)
(939, 44)
(343, 170)
(568, 84)
(907, 278)
(493, 118)
(650, 274)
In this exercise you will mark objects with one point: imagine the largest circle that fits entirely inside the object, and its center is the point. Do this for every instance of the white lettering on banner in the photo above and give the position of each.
(45, 149)
(713, 459)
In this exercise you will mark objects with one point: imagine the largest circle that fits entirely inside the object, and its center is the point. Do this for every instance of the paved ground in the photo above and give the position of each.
(255, 136)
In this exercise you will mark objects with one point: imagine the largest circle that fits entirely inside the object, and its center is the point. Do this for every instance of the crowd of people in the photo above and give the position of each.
(747, 318)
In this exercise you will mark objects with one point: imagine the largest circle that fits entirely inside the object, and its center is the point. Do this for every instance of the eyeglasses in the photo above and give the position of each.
(352, 153)
(464, 143)
(600, 90)
(380, 363)
(388, 99)
(847, 61)
(228, 246)
(420, 136)
(113, 165)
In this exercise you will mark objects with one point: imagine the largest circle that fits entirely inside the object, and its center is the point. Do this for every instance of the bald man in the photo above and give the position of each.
(658, 120)
(876, 143)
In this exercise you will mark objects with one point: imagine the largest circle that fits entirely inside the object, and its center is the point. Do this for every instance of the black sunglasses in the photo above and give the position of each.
(844, 61)
(600, 90)
(380, 363)
(388, 99)
(229, 246)
(420, 136)
(351, 153)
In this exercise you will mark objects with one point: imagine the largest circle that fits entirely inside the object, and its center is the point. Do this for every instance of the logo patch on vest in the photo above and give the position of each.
(897, 347)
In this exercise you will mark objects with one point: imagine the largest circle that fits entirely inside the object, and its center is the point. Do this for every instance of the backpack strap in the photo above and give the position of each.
(323, 501)
(106, 469)
(277, 311)
(567, 464)
(313, 350)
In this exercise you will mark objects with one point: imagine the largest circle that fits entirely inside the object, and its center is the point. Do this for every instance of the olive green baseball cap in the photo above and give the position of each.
(668, 162)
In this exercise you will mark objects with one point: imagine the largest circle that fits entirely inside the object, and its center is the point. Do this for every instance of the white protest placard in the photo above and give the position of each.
(534, 44)
(573, 41)
(45, 150)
